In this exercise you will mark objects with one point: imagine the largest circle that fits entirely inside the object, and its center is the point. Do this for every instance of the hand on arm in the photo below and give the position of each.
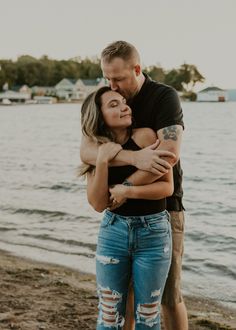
(159, 157)
(142, 159)
(157, 190)
(89, 152)
(143, 183)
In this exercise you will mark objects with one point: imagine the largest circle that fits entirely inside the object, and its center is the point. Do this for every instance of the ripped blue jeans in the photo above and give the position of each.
(137, 247)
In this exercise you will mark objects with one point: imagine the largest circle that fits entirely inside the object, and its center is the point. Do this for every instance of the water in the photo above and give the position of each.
(44, 213)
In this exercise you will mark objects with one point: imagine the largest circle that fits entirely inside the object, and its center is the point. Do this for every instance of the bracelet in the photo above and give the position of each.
(127, 183)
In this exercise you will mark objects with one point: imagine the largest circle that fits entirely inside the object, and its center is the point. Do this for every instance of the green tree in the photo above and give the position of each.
(90, 68)
(174, 79)
(190, 76)
(156, 73)
(48, 72)
(8, 73)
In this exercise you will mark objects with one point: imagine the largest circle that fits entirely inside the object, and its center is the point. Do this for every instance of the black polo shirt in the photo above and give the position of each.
(158, 106)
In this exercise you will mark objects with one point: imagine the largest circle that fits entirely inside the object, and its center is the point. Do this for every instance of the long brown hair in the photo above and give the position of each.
(92, 121)
(93, 124)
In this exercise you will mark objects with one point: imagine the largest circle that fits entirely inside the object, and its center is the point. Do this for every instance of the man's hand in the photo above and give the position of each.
(151, 159)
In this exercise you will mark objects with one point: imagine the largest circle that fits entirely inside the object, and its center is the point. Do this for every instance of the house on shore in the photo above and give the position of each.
(65, 88)
(87, 86)
(212, 94)
(77, 89)
(10, 96)
(43, 91)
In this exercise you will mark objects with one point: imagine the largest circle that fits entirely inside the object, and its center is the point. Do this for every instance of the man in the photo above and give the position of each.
(156, 106)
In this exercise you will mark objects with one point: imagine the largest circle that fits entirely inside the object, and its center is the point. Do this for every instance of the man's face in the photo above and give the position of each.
(122, 77)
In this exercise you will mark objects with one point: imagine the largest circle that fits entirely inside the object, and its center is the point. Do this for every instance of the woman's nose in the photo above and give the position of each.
(124, 108)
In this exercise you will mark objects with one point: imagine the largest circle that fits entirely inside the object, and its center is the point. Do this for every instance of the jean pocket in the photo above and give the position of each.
(159, 227)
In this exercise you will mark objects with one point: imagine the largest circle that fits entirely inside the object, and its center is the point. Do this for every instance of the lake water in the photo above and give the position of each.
(44, 213)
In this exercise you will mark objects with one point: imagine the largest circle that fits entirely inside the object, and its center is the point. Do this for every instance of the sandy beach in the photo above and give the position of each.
(37, 296)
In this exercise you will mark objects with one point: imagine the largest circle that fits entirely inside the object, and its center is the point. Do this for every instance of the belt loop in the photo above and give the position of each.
(143, 221)
(112, 219)
(168, 216)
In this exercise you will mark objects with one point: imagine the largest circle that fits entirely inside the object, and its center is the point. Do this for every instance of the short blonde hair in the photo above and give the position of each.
(121, 49)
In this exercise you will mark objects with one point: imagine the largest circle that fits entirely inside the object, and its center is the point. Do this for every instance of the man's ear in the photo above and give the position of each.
(137, 69)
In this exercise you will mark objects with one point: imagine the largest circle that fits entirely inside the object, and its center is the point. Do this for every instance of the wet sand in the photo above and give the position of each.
(40, 296)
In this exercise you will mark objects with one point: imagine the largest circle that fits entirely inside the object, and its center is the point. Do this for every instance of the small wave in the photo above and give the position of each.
(189, 259)
(202, 213)
(222, 269)
(63, 241)
(47, 216)
(193, 179)
(73, 187)
(230, 210)
(195, 236)
(190, 268)
(212, 239)
(7, 229)
(230, 183)
(40, 212)
(53, 214)
(88, 255)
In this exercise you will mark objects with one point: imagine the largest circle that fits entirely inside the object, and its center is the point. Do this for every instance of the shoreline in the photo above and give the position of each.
(38, 295)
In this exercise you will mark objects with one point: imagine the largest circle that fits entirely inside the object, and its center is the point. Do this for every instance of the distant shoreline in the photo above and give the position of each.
(26, 104)
(46, 296)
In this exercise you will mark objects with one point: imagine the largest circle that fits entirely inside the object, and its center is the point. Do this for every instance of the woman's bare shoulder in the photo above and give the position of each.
(144, 137)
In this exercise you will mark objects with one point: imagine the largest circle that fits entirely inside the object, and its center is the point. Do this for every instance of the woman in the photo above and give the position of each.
(134, 237)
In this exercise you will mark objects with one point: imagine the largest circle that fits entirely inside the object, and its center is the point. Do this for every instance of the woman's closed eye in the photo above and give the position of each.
(114, 104)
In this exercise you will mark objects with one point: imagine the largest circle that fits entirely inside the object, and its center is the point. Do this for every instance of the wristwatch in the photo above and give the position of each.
(127, 183)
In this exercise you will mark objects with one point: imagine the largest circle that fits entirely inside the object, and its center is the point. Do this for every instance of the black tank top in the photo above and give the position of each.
(135, 207)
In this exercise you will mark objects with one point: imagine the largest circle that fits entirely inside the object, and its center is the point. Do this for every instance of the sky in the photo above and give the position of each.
(165, 32)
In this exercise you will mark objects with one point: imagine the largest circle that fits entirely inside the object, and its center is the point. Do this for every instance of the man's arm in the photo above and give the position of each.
(89, 151)
(170, 140)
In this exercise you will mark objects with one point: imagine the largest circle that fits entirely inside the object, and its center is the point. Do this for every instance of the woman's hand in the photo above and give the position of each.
(108, 151)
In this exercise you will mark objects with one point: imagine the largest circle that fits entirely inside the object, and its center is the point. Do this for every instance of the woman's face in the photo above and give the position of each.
(116, 113)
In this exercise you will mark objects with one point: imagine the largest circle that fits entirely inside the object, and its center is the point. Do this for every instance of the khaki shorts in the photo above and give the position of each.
(172, 292)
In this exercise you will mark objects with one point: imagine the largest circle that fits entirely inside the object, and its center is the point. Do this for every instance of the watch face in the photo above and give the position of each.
(127, 183)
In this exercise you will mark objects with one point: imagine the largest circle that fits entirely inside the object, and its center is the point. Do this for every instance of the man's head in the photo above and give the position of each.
(120, 63)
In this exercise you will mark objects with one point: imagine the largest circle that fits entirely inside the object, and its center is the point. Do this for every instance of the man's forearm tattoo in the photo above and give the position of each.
(171, 133)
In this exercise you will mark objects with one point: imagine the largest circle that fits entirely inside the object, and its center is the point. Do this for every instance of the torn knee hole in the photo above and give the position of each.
(108, 301)
(148, 310)
(148, 313)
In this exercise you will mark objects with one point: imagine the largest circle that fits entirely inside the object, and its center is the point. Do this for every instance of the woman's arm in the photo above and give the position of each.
(97, 181)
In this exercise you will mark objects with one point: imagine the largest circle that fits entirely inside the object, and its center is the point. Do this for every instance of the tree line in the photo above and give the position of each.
(48, 72)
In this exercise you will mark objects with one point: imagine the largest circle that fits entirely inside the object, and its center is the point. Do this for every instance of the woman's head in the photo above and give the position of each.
(103, 113)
